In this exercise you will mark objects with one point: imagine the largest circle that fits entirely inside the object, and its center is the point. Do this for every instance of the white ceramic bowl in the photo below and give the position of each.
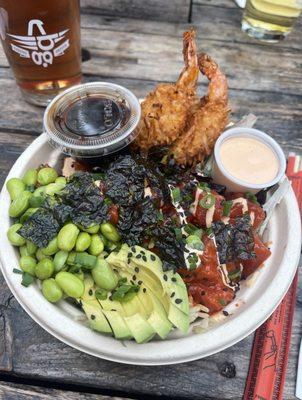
(66, 323)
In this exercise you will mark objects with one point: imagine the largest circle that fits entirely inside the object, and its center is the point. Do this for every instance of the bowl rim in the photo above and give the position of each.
(167, 352)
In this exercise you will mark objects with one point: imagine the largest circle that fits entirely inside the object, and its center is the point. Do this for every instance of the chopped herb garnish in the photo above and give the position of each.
(125, 293)
(176, 194)
(195, 242)
(208, 201)
(191, 229)
(227, 205)
(122, 280)
(204, 186)
(251, 197)
(234, 274)
(27, 279)
(101, 294)
(192, 260)
(17, 271)
(222, 302)
(178, 234)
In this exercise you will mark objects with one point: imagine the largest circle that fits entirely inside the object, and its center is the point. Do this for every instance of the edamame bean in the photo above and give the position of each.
(67, 237)
(14, 237)
(15, 187)
(92, 229)
(110, 232)
(44, 269)
(83, 241)
(20, 204)
(28, 264)
(53, 188)
(23, 251)
(38, 197)
(103, 275)
(71, 258)
(71, 285)
(51, 248)
(30, 177)
(31, 248)
(28, 213)
(96, 245)
(61, 179)
(51, 290)
(60, 259)
(40, 256)
(47, 175)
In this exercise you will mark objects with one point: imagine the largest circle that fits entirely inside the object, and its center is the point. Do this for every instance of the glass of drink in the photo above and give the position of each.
(270, 20)
(41, 40)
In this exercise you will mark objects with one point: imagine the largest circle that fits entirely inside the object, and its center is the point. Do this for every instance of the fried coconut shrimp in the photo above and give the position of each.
(165, 110)
(207, 120)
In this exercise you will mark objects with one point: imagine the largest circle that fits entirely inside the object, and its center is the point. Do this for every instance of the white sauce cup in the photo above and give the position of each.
(233, 184)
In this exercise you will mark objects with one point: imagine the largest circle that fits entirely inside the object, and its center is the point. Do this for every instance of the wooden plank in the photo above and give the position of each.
(159, 10)
(14, 391)
(39, 356)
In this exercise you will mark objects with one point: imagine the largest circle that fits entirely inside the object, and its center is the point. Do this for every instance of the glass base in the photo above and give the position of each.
(262, 34)
(41, 99)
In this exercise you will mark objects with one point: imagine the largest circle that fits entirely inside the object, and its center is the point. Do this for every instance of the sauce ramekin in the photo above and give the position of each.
(233, 184)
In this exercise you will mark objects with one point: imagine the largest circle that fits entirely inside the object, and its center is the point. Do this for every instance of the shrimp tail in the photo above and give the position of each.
(189, 75)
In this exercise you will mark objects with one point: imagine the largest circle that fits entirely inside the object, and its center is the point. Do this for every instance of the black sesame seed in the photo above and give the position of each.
(186, 250)
(130, 254)
(142, 252)
(172, 294)
(128, 261)
(115, 270)
(153, 258)
(144, 258)
(138, 256)
(225, 313)
(144, 290)
(132, 283)
(90, 292)
(134, 277)
(136, 269)
(110, 298)
(202, 293)
(165, 277)
(173, 279)
(92, 316)
(133, 249)
(178, 301)
(139, 282)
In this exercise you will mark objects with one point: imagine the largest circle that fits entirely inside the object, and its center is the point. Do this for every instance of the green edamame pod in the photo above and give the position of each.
(47, 175)
(14, 237)
(23, 251)
(83, 241)
(110, 232)
(54, 188)
(96, 245)
(30, 177)
(92, 229)
(44, 269)
(15, 187)
(51, 290)
(71, 285)
(31, 248)
(61, 179)
(40, 256)
(20, 204)
(103, 275)
(60, 259)
(28, 213)
(51, 248)
(67, 237)
(28, 264)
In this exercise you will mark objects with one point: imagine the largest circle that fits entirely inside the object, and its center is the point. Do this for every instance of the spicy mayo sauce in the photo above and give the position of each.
(249, 160)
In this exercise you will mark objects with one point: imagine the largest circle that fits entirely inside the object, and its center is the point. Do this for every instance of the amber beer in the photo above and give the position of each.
(41, 40)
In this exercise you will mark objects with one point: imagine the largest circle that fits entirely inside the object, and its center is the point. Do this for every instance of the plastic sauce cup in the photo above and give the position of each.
(233, 184)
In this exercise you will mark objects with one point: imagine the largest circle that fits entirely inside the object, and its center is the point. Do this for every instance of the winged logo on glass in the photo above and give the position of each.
(41, 49)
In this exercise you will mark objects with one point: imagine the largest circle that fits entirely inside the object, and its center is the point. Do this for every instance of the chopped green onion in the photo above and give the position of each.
(204, 186)
(222, 302)
(107, 201)
(208, 201)
(251, 197)
(178, 234)
(27, 279)
(227, 205)
(234, 274)
(187, 198)
(176, 194)
(17, 271)
(194, 242)
(192, 260)
(101, 294)
(191, 229)
(160, 216)
(98, 176)
(122, 280)
(209, 231)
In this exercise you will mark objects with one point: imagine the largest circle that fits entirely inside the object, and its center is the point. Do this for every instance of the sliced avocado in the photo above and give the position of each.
(118, 325)
(96, 318)
(178, 318)
(89, 288)
(141, 330)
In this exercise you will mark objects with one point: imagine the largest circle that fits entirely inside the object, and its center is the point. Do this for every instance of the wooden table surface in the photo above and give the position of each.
(264, 79)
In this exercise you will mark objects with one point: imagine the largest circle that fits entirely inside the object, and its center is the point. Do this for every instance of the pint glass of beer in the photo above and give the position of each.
(41, 40)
